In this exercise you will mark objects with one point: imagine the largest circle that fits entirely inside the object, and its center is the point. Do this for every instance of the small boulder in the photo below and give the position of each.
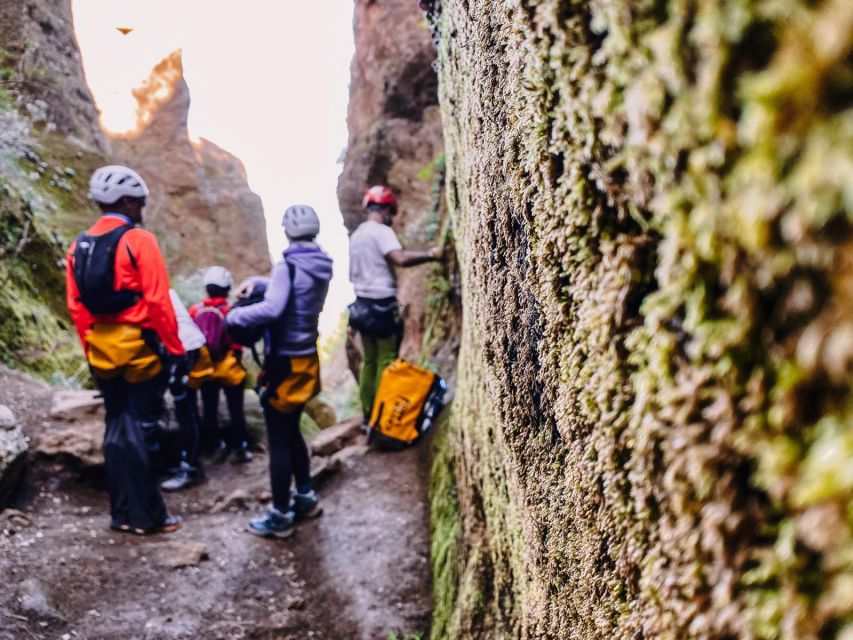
(77, 406)
(80, 444)
(35, 603)
(347, 454)
(178, 553)
(13, 453)
(323, 468)
(322, 413)
(237, 500)
(7, 418)
(335, 438)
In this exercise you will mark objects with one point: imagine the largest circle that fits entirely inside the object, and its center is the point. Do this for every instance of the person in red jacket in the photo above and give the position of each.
(228, 372)
(118, 297)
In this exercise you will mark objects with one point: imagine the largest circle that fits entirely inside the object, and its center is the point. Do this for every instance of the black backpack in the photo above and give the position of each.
(248, 336)
(94, 272)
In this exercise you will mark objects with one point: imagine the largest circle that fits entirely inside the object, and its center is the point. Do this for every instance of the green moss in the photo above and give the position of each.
(43, 205)
(652, 211)
(445, 532)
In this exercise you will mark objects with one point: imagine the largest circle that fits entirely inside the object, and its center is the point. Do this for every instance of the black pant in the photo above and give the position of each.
(288, 455)
(131, 445)
(235, 434)
(183, 444)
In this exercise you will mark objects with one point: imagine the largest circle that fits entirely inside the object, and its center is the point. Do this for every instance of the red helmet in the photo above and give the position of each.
(379, 194)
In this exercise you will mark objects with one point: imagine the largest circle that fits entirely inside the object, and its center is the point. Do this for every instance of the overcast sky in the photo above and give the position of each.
(269, 82)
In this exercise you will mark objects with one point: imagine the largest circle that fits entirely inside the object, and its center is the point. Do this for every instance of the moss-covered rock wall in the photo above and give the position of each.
(653, 432)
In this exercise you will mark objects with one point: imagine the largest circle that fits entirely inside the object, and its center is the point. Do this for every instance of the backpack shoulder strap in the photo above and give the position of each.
(256, 356)
(86, 244)
(291, 270)
(205, 308)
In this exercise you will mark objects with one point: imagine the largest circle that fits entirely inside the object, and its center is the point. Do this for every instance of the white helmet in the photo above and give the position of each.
(300, 221)
(109, 184)
(217, 276)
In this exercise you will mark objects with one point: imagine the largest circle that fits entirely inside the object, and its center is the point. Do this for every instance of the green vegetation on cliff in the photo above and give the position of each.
(652, 206)
(40, 206)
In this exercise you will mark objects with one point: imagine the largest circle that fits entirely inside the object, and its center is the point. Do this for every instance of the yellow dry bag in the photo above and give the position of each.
(407, 401)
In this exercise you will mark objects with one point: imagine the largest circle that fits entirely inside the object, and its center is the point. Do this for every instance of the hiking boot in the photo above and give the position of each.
(241, 455)
(273, 524)
(184, 477)
(220, 454)
(305, 505)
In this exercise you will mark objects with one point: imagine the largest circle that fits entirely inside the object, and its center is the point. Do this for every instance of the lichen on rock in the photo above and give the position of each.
(652, 209)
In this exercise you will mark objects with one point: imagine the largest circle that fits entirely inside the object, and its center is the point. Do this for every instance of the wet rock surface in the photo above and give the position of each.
(656, 391)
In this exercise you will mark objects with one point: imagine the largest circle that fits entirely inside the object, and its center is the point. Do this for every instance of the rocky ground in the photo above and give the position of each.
(359, 571)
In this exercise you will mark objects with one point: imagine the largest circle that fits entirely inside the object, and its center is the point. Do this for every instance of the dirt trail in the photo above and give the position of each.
(361, 571)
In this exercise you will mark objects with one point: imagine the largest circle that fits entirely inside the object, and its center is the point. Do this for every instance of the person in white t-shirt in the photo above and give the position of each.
(375, 314)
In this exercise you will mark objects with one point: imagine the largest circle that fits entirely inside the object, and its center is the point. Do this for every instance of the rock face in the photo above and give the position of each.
(76, 435)
(13, 453)
(654, 405)
(395, 138)
(201, 207)
(38, 42)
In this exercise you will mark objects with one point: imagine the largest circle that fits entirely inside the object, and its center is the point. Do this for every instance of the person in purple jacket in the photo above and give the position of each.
(294, 298)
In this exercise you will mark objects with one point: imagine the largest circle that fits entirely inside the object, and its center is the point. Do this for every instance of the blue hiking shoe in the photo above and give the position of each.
(273, 524)
(305, 505)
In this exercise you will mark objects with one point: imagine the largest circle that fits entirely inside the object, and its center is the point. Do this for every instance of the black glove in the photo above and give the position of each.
(178, 369)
